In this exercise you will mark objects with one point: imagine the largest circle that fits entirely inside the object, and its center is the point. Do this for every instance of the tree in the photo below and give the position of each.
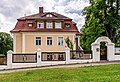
(6, 43)
(69, 43)
(102, 19)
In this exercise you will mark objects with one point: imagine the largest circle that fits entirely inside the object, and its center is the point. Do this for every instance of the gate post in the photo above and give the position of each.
(9, 59)
(38, 57)
(96, 52)
(67, 50)
(110, 52)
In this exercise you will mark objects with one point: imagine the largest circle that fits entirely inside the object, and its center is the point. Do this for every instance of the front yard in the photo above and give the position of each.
(103, 73)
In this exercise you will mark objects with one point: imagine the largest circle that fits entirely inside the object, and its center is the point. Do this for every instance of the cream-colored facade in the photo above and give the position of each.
(24, 42)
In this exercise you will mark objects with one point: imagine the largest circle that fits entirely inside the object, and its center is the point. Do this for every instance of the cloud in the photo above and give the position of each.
(13, 9)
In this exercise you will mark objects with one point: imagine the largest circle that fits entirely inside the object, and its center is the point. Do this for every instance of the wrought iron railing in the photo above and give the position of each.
(24, 58)
(53, 56)
(80, 54)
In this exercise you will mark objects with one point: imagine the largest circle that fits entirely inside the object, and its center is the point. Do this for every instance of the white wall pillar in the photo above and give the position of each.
(110, 52)
(79, 41)
(14, 43)
(9, 59)
(23, 43)
(96, 52)
(39, 57)
(67, 50)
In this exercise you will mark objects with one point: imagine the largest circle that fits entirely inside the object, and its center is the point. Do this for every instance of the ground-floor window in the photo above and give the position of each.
(49, 41)
(38, 40)
(60, 41)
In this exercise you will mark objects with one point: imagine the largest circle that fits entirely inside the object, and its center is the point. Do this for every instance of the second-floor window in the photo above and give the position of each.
(40, 25)
(49, 25)
(49, 41)
(38, 41)
(58, 25)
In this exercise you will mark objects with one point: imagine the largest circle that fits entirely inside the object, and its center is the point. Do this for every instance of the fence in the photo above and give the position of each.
(24, 58)
(47, 58)
(80, 54)
(117, 50)
(3, 60)
(53, 56)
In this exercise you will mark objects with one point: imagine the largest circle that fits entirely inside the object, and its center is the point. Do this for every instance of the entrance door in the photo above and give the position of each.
(103, 51)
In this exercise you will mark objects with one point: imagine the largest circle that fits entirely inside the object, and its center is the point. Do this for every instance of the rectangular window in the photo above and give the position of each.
(58, 25)
(60, 41)
(49, 40)
(40, 25)
(38, 40)
(49, 25)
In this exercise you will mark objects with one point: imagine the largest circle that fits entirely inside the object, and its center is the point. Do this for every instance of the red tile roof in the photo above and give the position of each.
(22, 24)
(43, 16)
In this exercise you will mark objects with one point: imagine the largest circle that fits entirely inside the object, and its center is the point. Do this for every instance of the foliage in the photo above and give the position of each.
(102, 19)
(69, 43)
(104, 73)
(6, 43)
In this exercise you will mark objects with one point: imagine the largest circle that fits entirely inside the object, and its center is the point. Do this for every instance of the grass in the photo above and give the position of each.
(103, 73)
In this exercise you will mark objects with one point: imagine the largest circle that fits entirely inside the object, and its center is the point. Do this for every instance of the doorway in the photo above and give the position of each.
(103, 51)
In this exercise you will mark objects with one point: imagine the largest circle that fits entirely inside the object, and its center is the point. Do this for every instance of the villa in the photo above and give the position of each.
(46, 31)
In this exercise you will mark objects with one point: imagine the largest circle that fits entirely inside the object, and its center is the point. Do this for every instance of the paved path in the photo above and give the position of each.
(60, 66)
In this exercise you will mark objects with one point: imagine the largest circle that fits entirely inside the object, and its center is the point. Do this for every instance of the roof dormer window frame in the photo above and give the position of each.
(40, 24)
(49, 15)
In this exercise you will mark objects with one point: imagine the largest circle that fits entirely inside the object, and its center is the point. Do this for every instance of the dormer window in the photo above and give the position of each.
(30, 24)
(67, 25)
(40, 25)
(58, 25)
(49, 25)
(48, 15)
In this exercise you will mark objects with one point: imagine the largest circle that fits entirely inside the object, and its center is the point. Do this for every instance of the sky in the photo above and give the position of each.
(11, 10)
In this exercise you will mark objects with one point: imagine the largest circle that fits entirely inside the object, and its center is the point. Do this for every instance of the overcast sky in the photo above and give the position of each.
(10, 10)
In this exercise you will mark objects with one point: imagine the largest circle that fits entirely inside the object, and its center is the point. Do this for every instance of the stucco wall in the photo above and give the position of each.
(18, 43)
(30, 46)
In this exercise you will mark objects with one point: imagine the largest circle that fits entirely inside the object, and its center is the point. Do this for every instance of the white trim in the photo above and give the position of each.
(74, 44)
(35, 40)
(23, 43)
(50, 34)
(53, 51)
(52, 41)
(14, 43)
(58, 40)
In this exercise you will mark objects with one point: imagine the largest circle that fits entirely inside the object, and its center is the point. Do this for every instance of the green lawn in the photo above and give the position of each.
(103, 73)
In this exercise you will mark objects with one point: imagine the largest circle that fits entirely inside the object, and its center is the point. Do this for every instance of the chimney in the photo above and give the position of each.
(40, 10)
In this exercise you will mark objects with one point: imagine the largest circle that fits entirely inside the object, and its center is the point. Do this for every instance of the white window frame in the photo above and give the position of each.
(49, 15)
(46, 41)
(30, 24)
(42, 24)
(58, 41)
(49, 25)
(57, 26)
(35, 41)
